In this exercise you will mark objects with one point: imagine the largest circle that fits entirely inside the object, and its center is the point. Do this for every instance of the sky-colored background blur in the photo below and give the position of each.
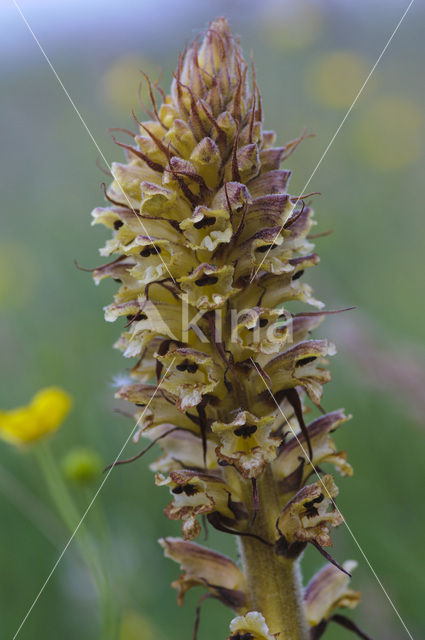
(311, 58)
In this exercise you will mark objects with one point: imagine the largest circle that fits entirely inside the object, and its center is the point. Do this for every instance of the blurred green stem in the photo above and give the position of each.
(70, 515)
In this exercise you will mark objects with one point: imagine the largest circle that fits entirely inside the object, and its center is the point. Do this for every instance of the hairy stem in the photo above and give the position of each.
(273, 581)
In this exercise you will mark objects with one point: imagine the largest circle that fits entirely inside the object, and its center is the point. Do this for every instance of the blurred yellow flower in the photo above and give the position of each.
(44, 414)
(336, 77)
(19, 274)
(391, 134)
(121, 80)
(298, 28)
(136, 627)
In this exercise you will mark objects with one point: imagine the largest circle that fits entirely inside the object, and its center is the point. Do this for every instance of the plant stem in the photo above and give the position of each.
(273, 581)
(71, 517)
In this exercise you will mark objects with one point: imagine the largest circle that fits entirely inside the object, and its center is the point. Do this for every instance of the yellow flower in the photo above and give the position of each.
(44, 414)
(134, 626)
(390, 135)
(336, 77)
(120, 81)
(298, 27)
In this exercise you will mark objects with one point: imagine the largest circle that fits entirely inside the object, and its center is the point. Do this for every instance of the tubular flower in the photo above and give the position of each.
(310, 515)
(328, 590)
(209, 250)
(200, 494)
(206, 568)
(43, 415)
(292, 467)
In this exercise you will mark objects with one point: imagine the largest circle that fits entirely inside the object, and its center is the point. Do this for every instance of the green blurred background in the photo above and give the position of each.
(312, 58)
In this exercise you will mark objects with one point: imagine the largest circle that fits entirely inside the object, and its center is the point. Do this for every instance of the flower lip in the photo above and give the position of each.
(207, 228)
(190, 375)
(310, 514)
(208, 286)
(199, 493)
(247, 442)
(251, 626)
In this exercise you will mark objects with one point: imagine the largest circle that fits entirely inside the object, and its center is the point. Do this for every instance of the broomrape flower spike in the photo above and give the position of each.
(204, 177)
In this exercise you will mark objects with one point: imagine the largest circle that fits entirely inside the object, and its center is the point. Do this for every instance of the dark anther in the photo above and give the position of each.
(190, 367)
(190, 489)
(206, 280)
(177, 490)
(135, 318)
(118, 224)
(150, 251)
(205, 222)
(265, 247)
(245, 431)
(303, 361)
(298, 274)
(310, 509)
(242, 636)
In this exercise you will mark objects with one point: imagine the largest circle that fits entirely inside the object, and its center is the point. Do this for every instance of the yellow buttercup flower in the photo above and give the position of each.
(44, 414)
(336, 77)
